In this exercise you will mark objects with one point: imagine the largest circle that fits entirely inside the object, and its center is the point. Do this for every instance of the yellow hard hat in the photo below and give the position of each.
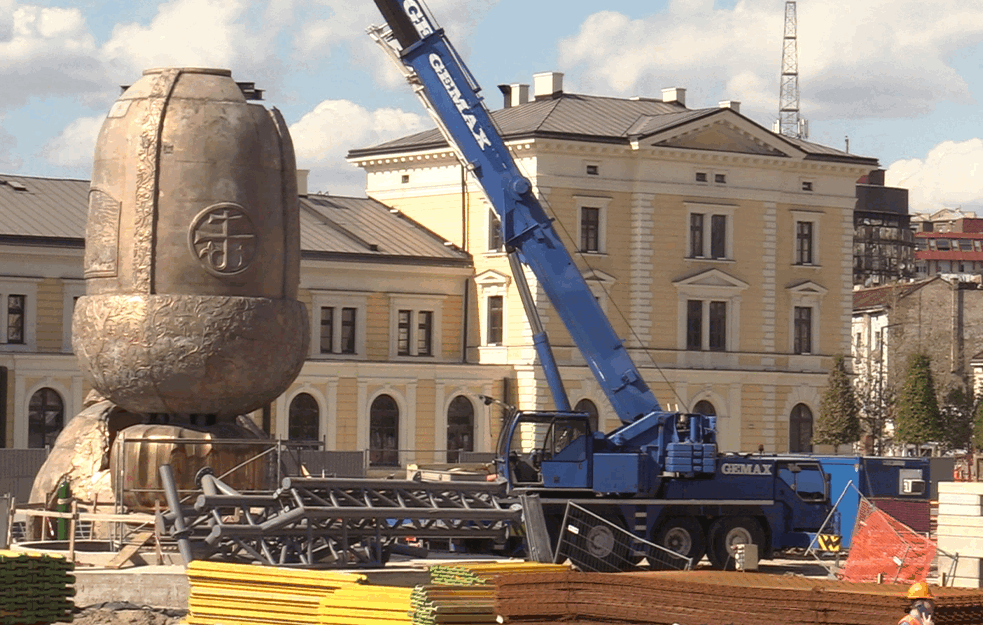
(919, 590)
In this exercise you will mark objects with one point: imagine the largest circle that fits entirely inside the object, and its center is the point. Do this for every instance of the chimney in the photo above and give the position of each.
(674, 94)
(733, 105)
(302, 175)
(515, 94)
(547, 85)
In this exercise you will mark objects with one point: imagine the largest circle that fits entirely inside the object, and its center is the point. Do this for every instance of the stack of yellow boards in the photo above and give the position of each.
(245, 594)
(35, 588)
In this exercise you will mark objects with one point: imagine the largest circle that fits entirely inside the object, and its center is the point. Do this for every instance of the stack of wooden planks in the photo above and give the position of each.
(247, 594)
(35, 588)
(366, 605)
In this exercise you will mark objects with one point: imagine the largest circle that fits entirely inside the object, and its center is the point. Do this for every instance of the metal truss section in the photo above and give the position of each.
(327, 522)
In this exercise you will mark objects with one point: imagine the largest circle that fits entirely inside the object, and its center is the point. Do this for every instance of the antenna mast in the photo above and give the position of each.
(789, 122)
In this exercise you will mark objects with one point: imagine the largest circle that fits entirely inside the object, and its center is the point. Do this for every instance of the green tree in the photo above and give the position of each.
(918, 419)
(978, 425)
(956, 421)
(839, 411)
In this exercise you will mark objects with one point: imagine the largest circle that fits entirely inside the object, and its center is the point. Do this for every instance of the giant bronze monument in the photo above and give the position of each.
(192, 263)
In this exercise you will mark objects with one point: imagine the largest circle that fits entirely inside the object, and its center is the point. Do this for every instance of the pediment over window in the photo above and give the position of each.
(594, 276)
(492, 278)
(711, 279)
(807, 287)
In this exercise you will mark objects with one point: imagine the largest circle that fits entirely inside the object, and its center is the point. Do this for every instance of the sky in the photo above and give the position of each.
(902, 79)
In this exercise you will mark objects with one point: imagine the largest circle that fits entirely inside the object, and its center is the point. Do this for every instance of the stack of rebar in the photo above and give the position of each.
(463, 593)
(246, 594)
(35, 588)
(695, 597)
(366, 605)
(470, 573)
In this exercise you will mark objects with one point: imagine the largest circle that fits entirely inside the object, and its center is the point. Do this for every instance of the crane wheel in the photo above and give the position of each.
(683, 535)
(726, 533)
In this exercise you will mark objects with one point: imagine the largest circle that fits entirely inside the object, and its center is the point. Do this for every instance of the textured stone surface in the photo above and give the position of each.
(189, 353)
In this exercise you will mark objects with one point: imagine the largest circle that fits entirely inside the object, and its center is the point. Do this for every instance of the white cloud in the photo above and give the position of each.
(76, 143)
(950, 176)
(324, 136)
(327, 25)
(46, 52)
(8, 143)
(192, 33)
(883, 58)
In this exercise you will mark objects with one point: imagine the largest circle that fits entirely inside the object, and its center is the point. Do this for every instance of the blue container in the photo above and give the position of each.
(899, 486)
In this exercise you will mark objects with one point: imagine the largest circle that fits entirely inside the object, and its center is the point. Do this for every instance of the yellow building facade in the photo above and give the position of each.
(388, 373)
(720, 251)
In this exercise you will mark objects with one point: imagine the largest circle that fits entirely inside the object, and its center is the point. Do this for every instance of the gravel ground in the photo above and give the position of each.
(118, 613)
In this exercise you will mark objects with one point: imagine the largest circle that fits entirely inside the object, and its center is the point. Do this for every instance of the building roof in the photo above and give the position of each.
(598, 119)
(884, 296)
(53, 211)
(43, 208)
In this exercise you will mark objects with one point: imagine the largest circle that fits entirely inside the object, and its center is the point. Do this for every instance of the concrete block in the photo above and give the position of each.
(961, 488)
(963, 545)
(964, 531)
(960, 498)
(950, 520)
(961, 509)
(966, 571)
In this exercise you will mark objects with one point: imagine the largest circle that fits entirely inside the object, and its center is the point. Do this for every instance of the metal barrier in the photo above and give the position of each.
(596, 544)
(18, 467)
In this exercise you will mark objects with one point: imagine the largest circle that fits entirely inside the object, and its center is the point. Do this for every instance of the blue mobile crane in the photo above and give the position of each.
(659, 474)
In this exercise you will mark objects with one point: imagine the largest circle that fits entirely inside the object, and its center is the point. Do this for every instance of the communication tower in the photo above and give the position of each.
(789, 122)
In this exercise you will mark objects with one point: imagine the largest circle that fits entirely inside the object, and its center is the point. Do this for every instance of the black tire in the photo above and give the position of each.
(684, 535)
(727, 532)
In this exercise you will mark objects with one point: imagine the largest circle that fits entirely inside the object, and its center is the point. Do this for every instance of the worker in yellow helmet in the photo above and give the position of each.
(922, 605)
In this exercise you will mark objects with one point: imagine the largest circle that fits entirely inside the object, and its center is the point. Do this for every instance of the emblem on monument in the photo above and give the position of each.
(222, 238)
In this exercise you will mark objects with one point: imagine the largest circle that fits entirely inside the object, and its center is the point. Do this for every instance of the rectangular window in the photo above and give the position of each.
(803, 243)
(495, 320)
(347, 330)
(590, 229)
(807, 186)
(718, 326)
(803, 330)
(327, 329)
(718, 236)
(720, 178)
(701, 176)
(403, 333)
(593, 170)
(696, 235)
(496, 242)
(15, 319)
(694, 325)
(424, 336)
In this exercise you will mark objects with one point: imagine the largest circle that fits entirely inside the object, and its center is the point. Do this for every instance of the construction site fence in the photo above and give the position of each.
(17, 470)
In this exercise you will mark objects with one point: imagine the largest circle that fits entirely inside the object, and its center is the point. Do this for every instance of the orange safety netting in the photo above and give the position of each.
(885, 549)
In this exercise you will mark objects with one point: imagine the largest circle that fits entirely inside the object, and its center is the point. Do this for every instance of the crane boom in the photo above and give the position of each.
(451, 95)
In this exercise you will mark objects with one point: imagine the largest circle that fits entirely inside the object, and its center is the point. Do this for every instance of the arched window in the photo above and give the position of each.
(460, 427)
(304, 418)
(705, 408)
(586, 405)
(46, 418)
(800, 429)
(384, 432)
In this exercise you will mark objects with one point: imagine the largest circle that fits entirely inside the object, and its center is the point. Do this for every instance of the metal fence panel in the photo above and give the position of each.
(336, 463)
(17, 470)
(477, 457)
